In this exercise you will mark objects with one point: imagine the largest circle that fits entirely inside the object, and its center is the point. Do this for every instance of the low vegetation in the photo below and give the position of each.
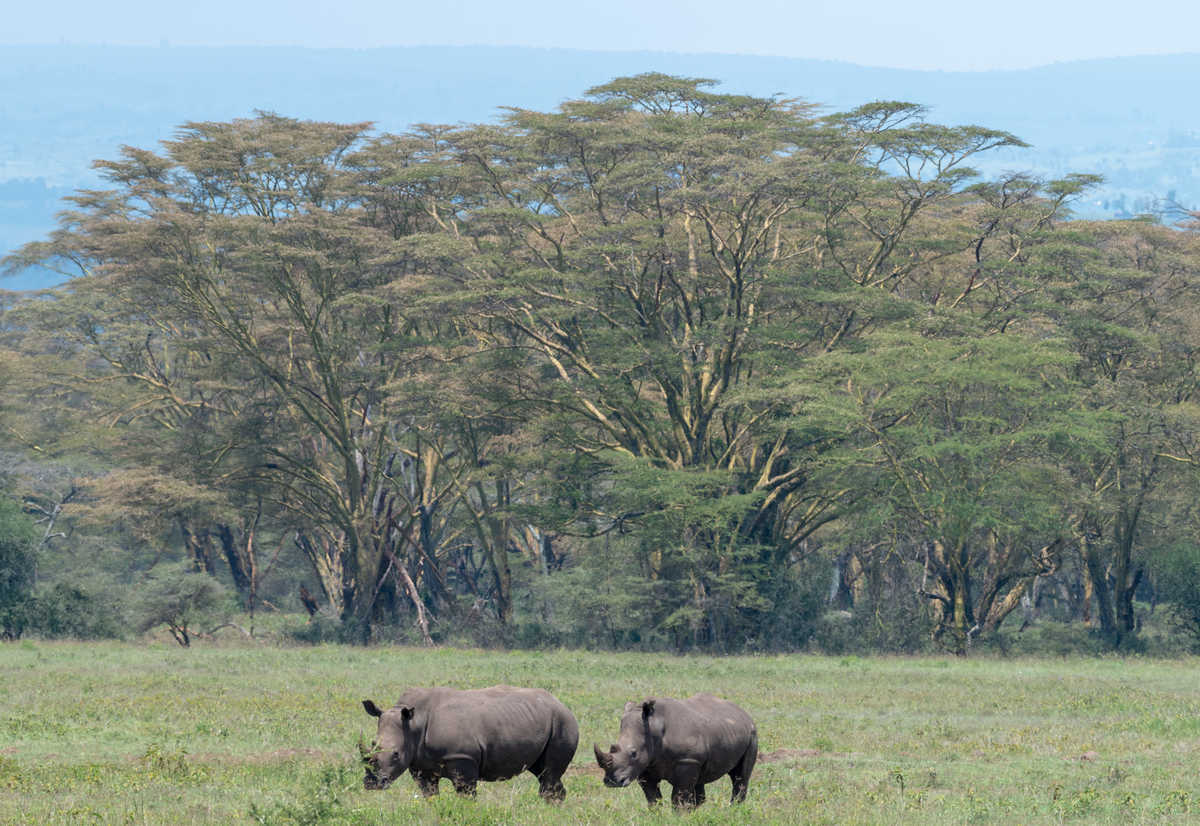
(236, 733)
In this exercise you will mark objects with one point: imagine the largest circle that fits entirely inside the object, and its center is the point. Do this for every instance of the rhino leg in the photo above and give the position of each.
(427, 782)
(550, 785)
(464, 774)
(683, 798)
(650, 789)
(551, 765)
(684, 779)
(551, 789)
(741, 772)
(699, 794)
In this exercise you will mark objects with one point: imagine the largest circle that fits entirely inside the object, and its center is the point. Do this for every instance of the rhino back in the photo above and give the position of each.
(504, 730)
(707, 729)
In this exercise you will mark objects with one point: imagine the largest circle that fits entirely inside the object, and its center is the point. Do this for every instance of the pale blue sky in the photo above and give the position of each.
(919, 34)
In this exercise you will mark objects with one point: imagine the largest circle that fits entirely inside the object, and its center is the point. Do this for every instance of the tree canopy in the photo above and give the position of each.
(688, 350)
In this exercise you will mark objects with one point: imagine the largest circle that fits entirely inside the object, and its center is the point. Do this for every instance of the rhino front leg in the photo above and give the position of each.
(464, 774)
(684, 797)
(684, 780)
(650, 789)
(427, 782)
(699, 794)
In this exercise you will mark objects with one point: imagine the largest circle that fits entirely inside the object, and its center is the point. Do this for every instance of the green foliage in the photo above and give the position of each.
(17, 566)
(178, 596)
(69, 612)
(640, 371)
(798, 606)
(170, 763)
(1179, 584)
(604, 601)
(320, 804)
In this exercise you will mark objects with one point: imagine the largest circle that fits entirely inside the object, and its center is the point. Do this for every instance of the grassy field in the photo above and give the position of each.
(237, 733)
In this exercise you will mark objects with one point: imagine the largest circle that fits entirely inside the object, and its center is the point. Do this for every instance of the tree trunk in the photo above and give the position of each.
(1098, 577)
(1126, 574)
(325, 557)
(199, 546)
(239, 562)
(501, 573)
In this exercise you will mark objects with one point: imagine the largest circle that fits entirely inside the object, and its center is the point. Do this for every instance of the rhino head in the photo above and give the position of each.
(635, 748)
(395, 746)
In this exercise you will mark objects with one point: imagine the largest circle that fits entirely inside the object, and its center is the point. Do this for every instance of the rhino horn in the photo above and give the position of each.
(605, 760)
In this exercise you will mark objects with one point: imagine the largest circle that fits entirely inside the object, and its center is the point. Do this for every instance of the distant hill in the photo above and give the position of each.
(63, 106)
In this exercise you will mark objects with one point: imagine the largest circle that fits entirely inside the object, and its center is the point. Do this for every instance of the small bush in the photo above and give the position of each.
(67, 611)
(1179, 584)
(171, 763)
(798, 601)
(17, 565)
(319, 629)
(181, 598)
(598, 603)
(1061, 639)
(320, 805)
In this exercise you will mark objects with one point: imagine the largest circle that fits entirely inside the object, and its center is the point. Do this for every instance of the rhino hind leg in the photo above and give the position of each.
(552, 763)
(550, 785)
(741, 772)
(551, 789)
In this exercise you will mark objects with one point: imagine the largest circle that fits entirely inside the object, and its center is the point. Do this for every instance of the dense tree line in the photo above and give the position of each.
(663, 366)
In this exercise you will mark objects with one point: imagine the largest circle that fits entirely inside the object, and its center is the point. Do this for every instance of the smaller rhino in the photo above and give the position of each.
(687, 743)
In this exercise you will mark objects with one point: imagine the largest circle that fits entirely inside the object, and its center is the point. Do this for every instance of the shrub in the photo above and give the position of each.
(600, 601)
(178, 596)
(1179, 584)
(69, 611)
(321, 804)
(17, 567)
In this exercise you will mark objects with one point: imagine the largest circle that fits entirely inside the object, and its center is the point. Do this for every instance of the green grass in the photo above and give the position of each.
(238, 733)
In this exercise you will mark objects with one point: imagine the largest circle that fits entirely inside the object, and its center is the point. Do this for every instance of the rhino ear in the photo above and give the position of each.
(372, 709)
(647, 708)
(406, 713)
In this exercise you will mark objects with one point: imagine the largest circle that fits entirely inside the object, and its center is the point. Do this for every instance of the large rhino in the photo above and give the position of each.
(687, 743)
(467, 736)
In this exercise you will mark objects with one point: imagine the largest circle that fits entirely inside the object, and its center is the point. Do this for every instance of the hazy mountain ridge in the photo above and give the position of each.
(63, 106)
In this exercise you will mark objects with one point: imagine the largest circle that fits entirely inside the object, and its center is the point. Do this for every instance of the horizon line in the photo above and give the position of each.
(166, 45)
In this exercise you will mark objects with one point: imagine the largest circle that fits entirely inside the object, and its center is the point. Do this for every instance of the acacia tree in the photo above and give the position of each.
(961, 464)
(686, 328)
(229, 282)
(1127, 294)
(669, 259)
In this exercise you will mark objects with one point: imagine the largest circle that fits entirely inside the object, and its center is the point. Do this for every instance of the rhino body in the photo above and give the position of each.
(687, 743)
(467, 736)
